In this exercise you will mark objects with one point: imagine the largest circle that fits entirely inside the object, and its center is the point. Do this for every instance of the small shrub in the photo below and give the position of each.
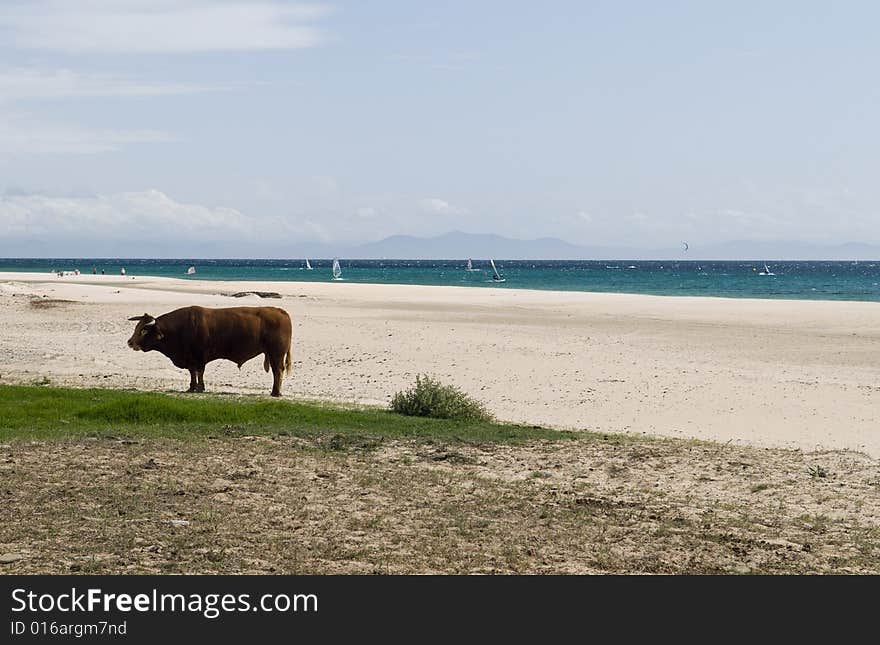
(430, 398)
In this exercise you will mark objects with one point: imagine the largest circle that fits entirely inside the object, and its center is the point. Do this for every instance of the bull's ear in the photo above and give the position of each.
(159, 334)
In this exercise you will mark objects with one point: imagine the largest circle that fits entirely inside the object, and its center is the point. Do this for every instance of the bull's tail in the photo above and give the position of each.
(287, 364)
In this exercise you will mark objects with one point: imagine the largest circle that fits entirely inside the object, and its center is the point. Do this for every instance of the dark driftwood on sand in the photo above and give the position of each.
(262, 294)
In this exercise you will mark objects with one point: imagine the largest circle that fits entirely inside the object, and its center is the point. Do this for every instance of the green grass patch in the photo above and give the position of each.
(43, 412)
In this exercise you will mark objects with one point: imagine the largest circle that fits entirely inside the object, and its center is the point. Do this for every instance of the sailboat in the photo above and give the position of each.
(470, 266)
(337, 271)
(308, 266)
(766, 270)
(191, 271)
(496, 277)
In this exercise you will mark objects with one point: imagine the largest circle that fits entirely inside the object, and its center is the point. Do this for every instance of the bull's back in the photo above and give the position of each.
(237, 333)
(259, 325)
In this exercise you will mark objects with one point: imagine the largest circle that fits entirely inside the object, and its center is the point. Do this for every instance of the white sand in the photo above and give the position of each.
(765, 372)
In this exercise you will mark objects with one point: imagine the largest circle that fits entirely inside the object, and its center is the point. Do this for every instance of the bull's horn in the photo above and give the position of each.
(146, 318)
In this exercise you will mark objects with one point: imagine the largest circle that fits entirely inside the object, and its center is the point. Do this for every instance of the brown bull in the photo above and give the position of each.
(192, 337)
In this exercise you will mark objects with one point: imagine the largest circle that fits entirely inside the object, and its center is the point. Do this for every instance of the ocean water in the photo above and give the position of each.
(732, 279)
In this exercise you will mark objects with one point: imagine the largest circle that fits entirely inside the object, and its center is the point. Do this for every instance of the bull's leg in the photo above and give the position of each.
(193, 381)
(276, 361)
(200, 378)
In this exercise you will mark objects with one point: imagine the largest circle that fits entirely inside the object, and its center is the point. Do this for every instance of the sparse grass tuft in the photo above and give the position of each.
(818, 472)
(430, 398)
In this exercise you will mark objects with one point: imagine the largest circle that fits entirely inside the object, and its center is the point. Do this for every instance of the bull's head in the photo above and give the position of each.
(147, 334)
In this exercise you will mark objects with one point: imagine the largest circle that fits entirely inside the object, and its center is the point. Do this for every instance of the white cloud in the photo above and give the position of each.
(366, 212)
(436, 206)
(39, 84)
(149, 213)
(160, 26)
(149, 223)
(21, 135)
(584, 216)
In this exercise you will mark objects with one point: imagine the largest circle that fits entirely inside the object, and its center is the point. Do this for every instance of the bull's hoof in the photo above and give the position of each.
(276, 394)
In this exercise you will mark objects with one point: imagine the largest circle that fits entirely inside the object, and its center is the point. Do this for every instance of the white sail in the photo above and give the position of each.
(496, 277)
(337, 271)
(190, 271)
(470, 266)
(308, 266)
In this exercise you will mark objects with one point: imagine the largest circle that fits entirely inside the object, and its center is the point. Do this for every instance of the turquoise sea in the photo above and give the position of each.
(734, 279)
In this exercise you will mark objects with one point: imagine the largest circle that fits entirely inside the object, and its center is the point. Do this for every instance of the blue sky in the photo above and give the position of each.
(603, 123)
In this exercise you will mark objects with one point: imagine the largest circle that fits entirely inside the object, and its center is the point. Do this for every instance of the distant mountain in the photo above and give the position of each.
(462, 245)
(781, 250)
(449, 246)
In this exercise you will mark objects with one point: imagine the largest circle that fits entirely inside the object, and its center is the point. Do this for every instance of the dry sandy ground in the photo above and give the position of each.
(789, 390)
(792, 374)
(286, 505)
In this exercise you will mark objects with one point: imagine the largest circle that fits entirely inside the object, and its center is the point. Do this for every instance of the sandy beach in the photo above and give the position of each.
(796, 374)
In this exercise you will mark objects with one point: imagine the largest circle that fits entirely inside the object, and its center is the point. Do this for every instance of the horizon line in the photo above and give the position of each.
(447, 259)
